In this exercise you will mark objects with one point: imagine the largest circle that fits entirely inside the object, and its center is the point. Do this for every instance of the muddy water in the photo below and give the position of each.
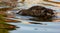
(45, 27)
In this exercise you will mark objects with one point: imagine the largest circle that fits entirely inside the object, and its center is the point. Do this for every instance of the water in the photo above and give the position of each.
(33, 28)
(45, 27)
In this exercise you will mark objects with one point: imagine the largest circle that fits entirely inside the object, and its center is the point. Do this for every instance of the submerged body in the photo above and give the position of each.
(38, 11)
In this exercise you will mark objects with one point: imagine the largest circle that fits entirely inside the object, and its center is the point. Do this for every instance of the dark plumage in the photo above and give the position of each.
(38, 11)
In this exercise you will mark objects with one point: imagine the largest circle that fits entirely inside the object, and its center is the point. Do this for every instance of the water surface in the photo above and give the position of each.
(46, 27)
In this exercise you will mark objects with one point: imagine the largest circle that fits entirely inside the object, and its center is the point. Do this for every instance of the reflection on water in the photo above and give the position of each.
(5, 28)
(33, 28)
(46, 3)
(42, 27)
(4, 31)
(29, 27)
(53, 1)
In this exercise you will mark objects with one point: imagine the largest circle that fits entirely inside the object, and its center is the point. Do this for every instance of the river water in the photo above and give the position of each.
(45, 27)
